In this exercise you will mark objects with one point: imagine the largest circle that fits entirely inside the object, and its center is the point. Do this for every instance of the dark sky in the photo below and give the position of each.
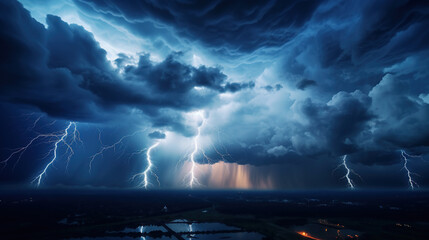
(259, 94)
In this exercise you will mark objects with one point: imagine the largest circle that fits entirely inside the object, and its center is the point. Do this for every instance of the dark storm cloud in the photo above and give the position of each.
(276, 87)
(369, 58)
(402, 116)
(256, 155)
(304, 83)
(157, 135)
(378, 156)
(226, 26)
(73, 48)
(26, 78)
(350, 46)
(235, 87)
(122, 60)
(371, 128)
(335, 125)
(347, 43)
(63, 71)
(347, 46)
(177, 79)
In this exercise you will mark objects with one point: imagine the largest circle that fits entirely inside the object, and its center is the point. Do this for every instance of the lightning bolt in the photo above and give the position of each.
(107, 147)
(34, 123)
(192, 179)
(144, 175)
(348, 172)
(75, 138)
(191, 176)
(20, 151)
(62, 139)
(223, 156)
(49, 124)
(411, 182)
(53, 137)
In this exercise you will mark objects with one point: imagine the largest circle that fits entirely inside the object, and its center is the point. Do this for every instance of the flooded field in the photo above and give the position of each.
(181, 229)
(200, 227)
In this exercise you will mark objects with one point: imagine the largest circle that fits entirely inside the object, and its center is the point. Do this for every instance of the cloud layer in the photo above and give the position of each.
(280, 82)
(63, 71)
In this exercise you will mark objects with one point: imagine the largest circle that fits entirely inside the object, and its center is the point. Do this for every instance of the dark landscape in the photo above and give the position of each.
(104, 214)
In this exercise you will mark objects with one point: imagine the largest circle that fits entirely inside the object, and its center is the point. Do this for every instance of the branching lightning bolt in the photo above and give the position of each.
(192, 178)
(34, 123)
(348, 172)
(107, 147)
(62, 139)
(223, 156)
(75, 138)
(405, 156)
(53, 137)
(20, 151)
(144, 175)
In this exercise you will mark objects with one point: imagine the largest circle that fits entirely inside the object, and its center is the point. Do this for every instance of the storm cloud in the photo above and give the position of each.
(63, 71)
(294, 83)
(227, 27)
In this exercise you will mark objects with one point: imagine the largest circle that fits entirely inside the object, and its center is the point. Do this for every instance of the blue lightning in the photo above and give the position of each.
(49, 124)
(351, 185)
(348, 172)
(75, 138)
(20, 151)
(411, 182)
(62, 139)
(192, 178)
(107, 147)
(34, 123)
(45, 138)
(144, 175)
(223, 156)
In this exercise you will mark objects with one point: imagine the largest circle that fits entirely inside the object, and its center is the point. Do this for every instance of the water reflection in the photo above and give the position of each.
(191, 235)
(181, 227)
(141, 231)
(144, 229)
(200, 227)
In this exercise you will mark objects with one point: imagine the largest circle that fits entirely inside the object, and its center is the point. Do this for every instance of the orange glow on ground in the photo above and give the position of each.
(304, 234)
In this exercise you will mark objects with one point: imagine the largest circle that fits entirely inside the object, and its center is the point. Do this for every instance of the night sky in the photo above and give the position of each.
(273, 93)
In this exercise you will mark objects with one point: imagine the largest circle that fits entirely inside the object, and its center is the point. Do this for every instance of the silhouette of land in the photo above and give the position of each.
(55, 214)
